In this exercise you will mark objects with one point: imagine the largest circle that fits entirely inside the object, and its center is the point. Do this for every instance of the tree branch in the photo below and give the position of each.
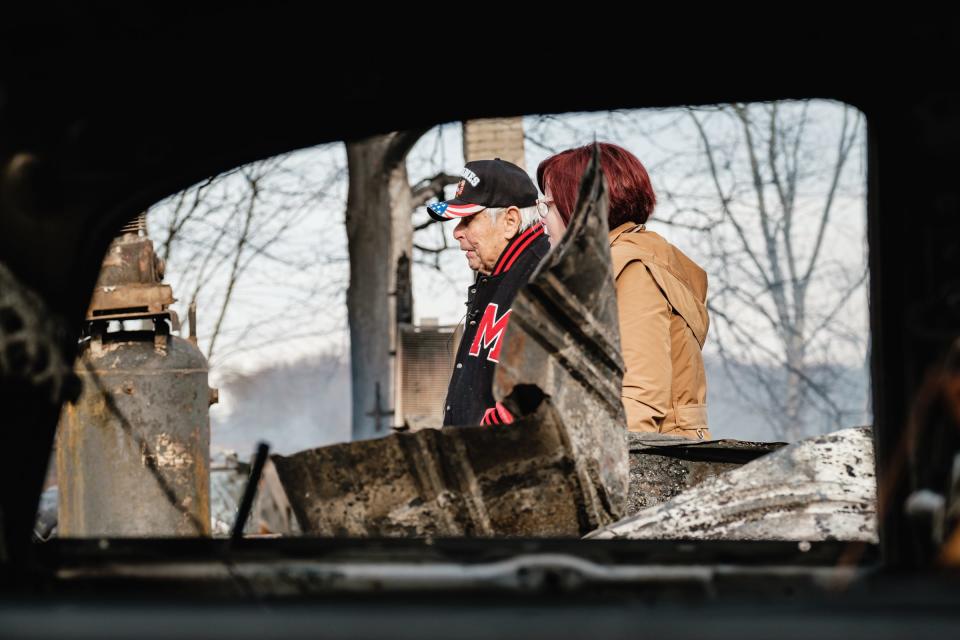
(431, 187)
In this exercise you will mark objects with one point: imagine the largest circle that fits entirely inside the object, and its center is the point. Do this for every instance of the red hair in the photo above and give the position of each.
(631, 195)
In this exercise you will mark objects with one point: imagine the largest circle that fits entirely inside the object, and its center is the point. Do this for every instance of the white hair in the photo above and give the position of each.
(529, 216)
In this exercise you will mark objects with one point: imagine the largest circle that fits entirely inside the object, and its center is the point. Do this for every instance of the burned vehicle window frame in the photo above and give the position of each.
(559, 471)
(900, 355)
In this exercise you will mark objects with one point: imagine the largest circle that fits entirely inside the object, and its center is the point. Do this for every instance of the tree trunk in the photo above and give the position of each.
(378, 232)
(794, 425)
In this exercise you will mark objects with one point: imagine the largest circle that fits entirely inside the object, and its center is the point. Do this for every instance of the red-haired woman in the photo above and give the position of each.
(661, 293)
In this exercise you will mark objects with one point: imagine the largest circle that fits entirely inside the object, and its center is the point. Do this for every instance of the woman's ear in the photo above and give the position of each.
(511, 222)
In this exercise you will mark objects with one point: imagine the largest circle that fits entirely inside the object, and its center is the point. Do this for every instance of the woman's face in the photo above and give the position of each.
(553, 225)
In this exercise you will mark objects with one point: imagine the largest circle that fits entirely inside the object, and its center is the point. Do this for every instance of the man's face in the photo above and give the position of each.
(483, 239)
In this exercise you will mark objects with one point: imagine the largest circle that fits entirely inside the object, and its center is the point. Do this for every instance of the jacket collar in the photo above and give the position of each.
(626, 227)
(518, 244)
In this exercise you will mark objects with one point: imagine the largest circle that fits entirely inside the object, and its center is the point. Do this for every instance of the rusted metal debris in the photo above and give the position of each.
(133, 450)
(560, 470)
(271, 512)
(663, 466)
(130, 284)
(473, 481)
(822, 488)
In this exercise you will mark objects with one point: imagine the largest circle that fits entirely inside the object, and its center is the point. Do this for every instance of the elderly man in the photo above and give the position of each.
(499, 231)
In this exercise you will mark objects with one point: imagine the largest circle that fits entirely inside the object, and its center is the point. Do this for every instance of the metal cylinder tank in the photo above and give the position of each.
(133, 452)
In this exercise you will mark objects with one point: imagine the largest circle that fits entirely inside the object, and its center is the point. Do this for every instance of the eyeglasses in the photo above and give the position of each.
(543, 206)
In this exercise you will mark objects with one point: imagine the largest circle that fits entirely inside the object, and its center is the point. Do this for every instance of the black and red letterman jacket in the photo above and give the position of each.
(489, 299)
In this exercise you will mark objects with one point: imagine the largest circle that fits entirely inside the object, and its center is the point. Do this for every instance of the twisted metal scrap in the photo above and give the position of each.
(564, 338)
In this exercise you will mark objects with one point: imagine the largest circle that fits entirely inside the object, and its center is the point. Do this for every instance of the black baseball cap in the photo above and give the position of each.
(486, 183)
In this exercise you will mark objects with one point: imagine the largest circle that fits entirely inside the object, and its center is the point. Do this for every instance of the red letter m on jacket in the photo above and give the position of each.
(489, 333)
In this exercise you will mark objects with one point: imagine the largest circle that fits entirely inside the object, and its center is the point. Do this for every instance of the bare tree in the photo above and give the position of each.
(380, 237)
(234, 237)
(238, 233)
(767, 242)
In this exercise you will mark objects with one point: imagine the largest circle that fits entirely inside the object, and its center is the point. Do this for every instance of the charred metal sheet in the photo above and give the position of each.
(822, 488)
(663, 466)
(564, 338)
(518, 480)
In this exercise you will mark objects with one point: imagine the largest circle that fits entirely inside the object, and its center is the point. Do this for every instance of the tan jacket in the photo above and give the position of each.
(661, 295)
